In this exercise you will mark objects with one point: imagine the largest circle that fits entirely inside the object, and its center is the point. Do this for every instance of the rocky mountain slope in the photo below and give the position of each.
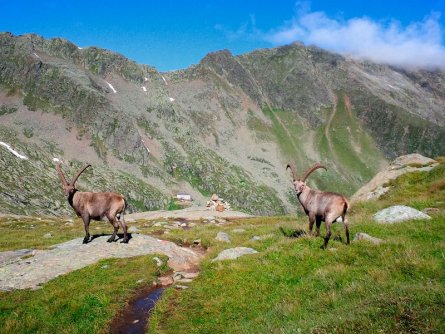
(227, 125)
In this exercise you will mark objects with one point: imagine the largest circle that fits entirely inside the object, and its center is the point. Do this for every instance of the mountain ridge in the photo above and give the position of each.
(228, 124)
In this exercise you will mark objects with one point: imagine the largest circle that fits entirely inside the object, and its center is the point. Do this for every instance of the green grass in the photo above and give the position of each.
(289, 286)
(83, 301)
(293, 286)
(353, 151)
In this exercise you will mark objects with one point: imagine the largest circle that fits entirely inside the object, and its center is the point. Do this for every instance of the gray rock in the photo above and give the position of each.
(13, 256)
(181, 287)
(363, 236)
(398, 213)
(185, 280)
(72, 255)
(223, 237)
(234, 253)
(158, 261)
(133, 229)
(256, 238)
(47, 236)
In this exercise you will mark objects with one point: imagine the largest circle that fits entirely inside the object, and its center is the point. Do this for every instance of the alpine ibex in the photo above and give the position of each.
(320, 205)
(94, 205)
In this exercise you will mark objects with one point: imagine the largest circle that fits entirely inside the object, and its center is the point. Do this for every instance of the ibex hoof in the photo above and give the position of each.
(111, 239)
(85, 240)
(125, 241)
(324, 247)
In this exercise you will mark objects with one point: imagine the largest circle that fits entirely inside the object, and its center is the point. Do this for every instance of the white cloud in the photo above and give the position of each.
(419, 44)
(416, 45)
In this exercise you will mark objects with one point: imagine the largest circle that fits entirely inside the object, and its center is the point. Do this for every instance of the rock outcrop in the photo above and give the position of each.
(403, 164)
(22, 271)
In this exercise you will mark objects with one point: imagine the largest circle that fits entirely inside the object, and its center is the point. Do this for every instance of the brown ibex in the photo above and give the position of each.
(320, 205)
(94, 205)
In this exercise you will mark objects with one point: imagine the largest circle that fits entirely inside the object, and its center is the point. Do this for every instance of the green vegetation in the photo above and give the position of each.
(209, 173)
(5, 109)
(290, 286)
(287, 132)
(83, 301)
(293, 286)
(19, 178)
(344, 142)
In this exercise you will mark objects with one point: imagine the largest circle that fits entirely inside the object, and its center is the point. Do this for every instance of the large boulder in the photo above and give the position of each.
(234, 253)
(398, 213)
(379, 183)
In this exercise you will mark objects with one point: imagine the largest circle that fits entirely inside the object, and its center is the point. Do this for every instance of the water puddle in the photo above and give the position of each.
(134, 318)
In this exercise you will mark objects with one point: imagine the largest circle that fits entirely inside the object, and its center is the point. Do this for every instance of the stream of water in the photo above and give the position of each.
(134, 318)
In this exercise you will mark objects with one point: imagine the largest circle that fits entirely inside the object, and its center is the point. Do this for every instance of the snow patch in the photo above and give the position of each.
(35, 54)
(145, 79)
(171, 99)
(17, 154)
(111, 86)
(57, 160)
(144, 88)
(165, 81)
(145, 146)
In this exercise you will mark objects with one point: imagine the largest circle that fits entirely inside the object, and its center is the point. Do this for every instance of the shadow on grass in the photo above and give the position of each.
(292, 233)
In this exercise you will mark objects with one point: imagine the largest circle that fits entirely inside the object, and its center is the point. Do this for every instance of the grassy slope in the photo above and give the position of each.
(356, 157)
(83, 301)
(355, 154)
(293, 286)
(289, 286)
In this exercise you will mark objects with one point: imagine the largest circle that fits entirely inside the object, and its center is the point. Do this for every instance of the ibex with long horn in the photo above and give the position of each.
(94, 205)
(320, 205)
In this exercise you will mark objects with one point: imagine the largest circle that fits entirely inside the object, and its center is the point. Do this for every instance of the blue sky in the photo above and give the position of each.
(175, 34)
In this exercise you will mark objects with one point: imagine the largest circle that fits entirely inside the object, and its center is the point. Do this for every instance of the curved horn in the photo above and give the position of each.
(61, 175)
(310, 170)
(293, 170)
(78, 174)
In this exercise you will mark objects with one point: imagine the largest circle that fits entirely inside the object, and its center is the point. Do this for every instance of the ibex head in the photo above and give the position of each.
(69, 187)
(300, 183)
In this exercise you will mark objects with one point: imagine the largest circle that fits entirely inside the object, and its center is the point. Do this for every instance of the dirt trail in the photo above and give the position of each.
(327, 133)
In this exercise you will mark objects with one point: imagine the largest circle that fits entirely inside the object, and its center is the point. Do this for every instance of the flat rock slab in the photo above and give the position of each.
(234, 253)
(398, 213)
(15, 255)
(193, 213)
(72, 255)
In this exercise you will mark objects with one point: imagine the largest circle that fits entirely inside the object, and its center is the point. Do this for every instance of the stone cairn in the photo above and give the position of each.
(217, 203)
